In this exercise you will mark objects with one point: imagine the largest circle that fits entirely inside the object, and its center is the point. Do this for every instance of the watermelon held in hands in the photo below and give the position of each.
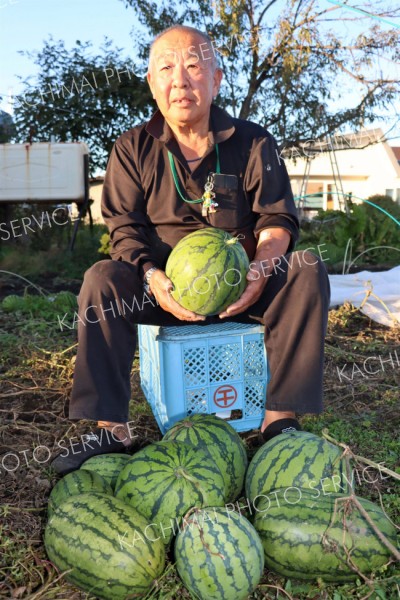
(208, 269)
(310, 534)
(222, 442)
(296, 459)
(164, 480)
(219, 555)
(75, 484)
(108, 466)
(104, 544)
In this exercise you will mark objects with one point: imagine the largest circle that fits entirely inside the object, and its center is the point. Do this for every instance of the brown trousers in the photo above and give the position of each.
(293, 308)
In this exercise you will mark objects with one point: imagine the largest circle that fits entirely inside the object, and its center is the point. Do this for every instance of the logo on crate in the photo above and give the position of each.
(225, 396)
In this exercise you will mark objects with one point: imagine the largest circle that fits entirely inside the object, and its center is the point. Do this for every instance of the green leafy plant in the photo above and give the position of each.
(365, 236)
(57, 260)
(46, 307)
(105, 244)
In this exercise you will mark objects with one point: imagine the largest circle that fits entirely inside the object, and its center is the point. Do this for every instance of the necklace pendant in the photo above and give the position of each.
(209, 185)
(209, 206)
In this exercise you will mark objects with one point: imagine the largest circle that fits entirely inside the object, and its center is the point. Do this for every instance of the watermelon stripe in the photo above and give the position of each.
(204, 271)
(209, 301)
(198, 267)
(84, 534)
(225, 455)
(292, 536)
(73, 542)
(225, 529)
(107, 466)
(84, 577)
(221, 558)
(109, 505)
(221, 441)
(75, 484)
(160, 491)
(179, 506)
(298, 459)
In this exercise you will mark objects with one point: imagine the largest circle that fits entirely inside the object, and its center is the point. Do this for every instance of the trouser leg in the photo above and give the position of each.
(294, 309)
(111, 302)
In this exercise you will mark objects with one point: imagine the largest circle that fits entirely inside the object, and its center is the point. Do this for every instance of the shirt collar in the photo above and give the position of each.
(221, 126)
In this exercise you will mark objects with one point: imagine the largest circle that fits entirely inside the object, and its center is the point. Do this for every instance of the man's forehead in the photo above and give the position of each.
(181, 45)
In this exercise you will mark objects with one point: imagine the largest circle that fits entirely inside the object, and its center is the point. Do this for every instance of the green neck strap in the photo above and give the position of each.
(176, 180)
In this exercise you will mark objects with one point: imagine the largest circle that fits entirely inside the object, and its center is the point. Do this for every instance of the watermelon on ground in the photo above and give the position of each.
(208, 269)
(311, 534)
(223, 443)
(108, 466)
(164, 480)
(219, 555)
(74, 484)
(105, 545)
(299, 459)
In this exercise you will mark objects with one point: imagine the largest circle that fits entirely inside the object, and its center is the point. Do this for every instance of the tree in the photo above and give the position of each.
(288, 63)
(7, 129)
(81, 97)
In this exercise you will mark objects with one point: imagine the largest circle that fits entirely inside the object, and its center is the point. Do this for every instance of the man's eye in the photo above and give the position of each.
(165, 68)
(194, 65)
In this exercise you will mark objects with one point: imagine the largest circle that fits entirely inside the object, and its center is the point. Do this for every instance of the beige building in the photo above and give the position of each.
(96, 188)
(366, 164)
(364, 161)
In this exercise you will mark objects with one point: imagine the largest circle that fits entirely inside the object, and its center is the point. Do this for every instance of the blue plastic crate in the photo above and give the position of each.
(212, 369)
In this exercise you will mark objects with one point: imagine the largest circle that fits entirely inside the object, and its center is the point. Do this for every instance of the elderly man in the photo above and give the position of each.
(155, 172)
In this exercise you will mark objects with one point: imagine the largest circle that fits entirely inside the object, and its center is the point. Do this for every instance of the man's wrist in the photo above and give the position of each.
(149, 273)
(260, 268)
(147, 277)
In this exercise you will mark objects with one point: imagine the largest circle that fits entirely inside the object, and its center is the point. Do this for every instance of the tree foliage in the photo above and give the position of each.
(289, 64)
(78, 96)
(7, 129)
(304, 69)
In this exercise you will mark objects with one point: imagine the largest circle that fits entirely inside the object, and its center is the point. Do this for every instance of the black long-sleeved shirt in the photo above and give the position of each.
(146, 216)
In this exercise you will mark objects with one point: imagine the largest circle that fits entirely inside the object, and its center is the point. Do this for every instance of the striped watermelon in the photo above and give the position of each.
(219, 556)
(164, 480)
(223, 443)
(305, 538)
(74, 484)
(107, 465)
(299, 459)
(106, 546)
(208, 270)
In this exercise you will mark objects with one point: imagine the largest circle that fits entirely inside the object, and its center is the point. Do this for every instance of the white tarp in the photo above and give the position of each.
(376, 294)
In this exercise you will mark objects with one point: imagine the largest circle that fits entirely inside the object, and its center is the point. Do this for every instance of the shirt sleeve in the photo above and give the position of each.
(267, 182)
(123, 207)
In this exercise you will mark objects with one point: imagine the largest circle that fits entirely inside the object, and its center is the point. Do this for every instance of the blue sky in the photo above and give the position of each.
(25, 24)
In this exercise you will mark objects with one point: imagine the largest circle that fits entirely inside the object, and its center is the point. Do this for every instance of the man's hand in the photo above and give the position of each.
(257, 279)
(272, 243)
(161, 288)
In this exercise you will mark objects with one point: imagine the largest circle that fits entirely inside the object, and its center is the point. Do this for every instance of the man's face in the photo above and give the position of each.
(183, 78)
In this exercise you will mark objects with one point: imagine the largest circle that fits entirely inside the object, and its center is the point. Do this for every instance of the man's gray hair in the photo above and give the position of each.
(212, 56)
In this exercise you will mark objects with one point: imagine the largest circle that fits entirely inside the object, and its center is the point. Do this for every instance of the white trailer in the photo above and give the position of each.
(45, 173)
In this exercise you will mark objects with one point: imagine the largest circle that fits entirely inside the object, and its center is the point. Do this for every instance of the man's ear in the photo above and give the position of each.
(218, 73)
(150, 82)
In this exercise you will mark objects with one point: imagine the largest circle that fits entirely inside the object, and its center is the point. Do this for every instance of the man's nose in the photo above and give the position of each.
(180, 76)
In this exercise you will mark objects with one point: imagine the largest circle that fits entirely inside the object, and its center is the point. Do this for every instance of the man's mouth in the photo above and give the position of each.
(183, 101)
